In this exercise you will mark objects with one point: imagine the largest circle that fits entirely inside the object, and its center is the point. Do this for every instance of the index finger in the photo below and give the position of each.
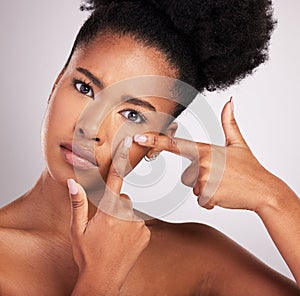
(112, 202)
(118, 166)
(179, 146)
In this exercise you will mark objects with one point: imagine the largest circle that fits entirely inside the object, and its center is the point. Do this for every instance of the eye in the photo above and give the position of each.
(84, 88)
(133, 116)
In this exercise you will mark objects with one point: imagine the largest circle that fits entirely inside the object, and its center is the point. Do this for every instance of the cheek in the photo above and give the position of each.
(61, 113)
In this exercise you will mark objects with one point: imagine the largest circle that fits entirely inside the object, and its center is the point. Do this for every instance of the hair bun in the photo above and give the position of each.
(183, 14)
(94, 4)
(227, 38)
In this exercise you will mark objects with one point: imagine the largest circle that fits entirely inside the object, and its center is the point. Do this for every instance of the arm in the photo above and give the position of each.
(241, 182)
(87, 286)
(281, 216)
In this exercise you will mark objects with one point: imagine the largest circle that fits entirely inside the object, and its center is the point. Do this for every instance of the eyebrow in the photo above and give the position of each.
(127, 99)
(91, 76)
(139, 102)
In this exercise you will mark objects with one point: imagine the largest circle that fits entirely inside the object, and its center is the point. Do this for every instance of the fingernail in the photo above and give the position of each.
(73, 189)
(232, 104)
(140, 138)
(127, 142)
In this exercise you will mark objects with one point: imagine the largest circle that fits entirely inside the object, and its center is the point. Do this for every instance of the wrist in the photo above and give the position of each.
(92, 284)
(277, 197)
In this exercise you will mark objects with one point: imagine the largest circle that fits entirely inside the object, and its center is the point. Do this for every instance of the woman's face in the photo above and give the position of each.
(107, 60)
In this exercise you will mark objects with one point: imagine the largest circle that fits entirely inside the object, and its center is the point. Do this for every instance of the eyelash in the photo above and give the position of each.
(85, 84)
(76, 81)
(141, 116)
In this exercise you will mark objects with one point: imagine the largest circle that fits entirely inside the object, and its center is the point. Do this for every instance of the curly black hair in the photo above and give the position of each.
(212, 43)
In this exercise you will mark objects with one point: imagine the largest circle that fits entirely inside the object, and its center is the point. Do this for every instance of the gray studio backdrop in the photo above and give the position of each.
(36, 38)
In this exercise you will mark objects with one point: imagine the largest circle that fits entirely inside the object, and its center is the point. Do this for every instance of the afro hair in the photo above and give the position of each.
(212, 43)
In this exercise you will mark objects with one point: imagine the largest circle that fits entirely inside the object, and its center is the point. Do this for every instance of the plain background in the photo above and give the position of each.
(36, 38)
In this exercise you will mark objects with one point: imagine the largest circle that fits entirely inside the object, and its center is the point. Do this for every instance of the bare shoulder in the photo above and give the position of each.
(9, 254)
(10, 213)
(212, 259)
(29, 265)
(17, 248)
(9, 233)
(17, 216)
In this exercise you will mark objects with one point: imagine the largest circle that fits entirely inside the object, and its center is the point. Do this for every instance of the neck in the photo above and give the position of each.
(46, 208)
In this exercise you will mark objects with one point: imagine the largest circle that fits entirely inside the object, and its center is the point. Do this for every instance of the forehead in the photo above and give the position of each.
(113, 58)
(116, 58)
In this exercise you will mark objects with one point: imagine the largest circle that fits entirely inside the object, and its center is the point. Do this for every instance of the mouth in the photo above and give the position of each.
(78, 156)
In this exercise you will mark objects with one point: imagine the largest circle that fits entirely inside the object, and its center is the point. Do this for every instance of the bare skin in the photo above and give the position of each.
(38, 249)
(245, 184)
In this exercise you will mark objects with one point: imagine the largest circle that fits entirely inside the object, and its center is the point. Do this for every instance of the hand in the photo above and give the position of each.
(106, 247)
(230, 176)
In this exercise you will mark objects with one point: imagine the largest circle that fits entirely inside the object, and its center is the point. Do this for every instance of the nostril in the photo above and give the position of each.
(82, 132)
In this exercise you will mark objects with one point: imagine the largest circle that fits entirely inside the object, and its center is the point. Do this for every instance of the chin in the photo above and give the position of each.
(60, 171)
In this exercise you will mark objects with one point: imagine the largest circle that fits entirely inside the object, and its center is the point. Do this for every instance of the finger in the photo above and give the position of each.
(125, 196)
(179, 146)
(231, 130)
(113, 203)
(196, 189)
(118, 167)
(124, 209)
(118, 207)
(208, 206)
(190, 175)
(79, 207)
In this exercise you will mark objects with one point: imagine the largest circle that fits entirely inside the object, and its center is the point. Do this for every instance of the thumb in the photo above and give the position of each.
(79, 207)
(232, 132)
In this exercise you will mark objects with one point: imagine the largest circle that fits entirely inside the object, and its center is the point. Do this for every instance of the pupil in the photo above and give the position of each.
(84, 89)
(132, 116)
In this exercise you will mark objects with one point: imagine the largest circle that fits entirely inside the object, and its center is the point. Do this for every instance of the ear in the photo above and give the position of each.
(56, 82)
(169, 131)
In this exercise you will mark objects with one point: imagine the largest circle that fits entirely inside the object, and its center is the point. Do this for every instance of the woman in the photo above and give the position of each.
(185, 259)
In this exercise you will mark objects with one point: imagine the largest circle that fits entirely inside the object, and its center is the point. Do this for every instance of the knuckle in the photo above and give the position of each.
(203, 179)
(196, 190)
(125, 196)
(145, 238)
(233, 121)
(154, 140)
(208, 206)
(147, 232)
(201, 189)
(123, 155)
(77, 203)
(171, 143)
(116, 172)
(205, 162)
(146, 242)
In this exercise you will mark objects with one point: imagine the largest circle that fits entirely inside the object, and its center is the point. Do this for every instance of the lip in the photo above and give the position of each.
(78, 156)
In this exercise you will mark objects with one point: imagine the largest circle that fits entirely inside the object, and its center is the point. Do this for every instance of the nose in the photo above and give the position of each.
(86, 134)
(88, 128)
(93, 120)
